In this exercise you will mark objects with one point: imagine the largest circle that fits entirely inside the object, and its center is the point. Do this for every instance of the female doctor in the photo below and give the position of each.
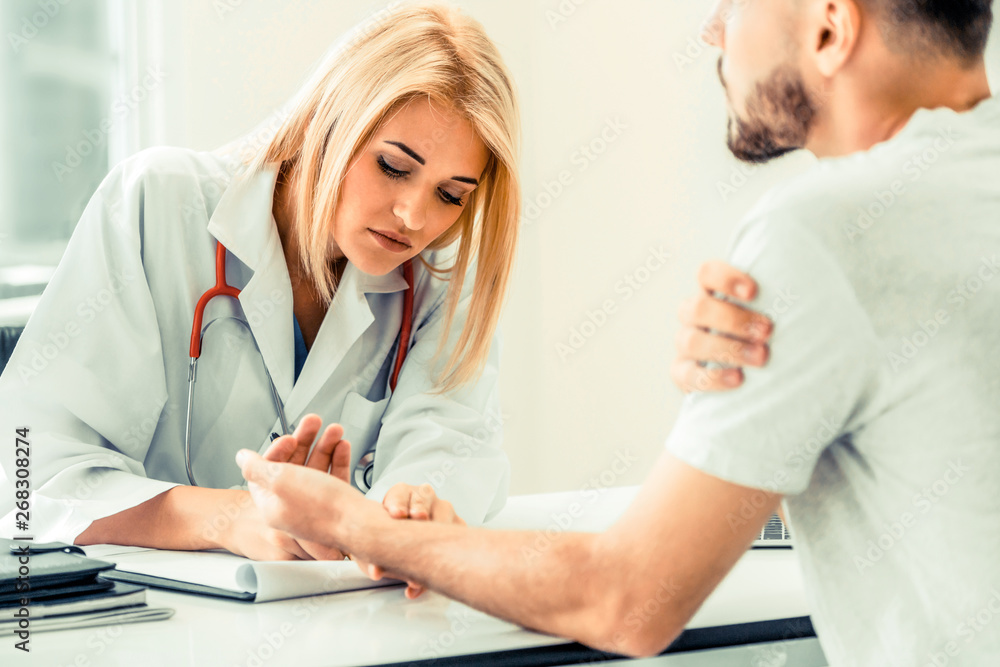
(371, 243)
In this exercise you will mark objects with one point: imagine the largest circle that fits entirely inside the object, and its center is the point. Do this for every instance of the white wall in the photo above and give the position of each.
(656, 186)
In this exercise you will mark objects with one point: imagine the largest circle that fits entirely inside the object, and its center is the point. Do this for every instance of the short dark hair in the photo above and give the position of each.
(959, 28)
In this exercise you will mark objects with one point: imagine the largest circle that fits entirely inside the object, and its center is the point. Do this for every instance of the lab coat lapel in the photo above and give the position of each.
(348, 318)
(244, 224)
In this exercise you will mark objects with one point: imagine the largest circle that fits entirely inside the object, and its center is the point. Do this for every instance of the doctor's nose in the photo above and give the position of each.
(411, 212)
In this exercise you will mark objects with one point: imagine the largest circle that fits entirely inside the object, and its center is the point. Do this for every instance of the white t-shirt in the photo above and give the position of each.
(878, 415)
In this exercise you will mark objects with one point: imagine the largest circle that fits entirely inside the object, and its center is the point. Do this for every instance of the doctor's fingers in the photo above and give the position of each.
(414, 502)
(423, 502)
(287, 546)
(321, 456)
(319, 551)
(698, 345)
(340, 465)
(281, 449)
(689, 376)
(304, 435)
(707, 312)
(397, 501)
(444, 512)
(375, 573)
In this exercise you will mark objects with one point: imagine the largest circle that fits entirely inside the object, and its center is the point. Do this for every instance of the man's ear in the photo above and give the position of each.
(834, 27)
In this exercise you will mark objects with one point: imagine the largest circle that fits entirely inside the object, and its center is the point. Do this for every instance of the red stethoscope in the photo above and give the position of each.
(222, 288)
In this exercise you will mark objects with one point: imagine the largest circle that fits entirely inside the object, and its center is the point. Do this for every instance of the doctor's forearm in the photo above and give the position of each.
(559, 585)
(179, 518)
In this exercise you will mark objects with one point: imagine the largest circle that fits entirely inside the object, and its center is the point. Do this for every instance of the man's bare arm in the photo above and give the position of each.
(596, 589)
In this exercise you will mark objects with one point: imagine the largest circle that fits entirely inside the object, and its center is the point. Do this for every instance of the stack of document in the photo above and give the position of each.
(55, 587)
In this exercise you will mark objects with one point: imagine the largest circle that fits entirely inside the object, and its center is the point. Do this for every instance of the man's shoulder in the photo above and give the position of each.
(828, 206)
(838, 199)
(798, 237)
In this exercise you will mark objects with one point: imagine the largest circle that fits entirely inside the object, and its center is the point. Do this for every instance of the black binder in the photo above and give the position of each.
(30, 570)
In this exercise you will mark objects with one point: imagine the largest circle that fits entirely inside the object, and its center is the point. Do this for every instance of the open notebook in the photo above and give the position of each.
(223, 574)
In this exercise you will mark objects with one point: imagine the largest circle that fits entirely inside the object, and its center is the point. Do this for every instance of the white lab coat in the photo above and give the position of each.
(100, 374)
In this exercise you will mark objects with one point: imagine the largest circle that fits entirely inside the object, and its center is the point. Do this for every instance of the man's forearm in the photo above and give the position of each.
(179, 518)
(559, 585)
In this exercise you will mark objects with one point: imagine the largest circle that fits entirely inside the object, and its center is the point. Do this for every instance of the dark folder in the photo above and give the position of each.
(28, 569)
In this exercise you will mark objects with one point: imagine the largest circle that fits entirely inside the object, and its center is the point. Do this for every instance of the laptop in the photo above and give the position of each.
(774, 535)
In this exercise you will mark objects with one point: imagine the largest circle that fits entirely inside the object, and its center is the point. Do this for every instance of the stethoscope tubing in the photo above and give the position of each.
(222, 288)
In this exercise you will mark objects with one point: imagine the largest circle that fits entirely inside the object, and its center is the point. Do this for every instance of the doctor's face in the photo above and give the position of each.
(407, 186)
(771, 111)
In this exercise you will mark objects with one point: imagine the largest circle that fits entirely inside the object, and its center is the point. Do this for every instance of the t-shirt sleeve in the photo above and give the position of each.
(770, 432)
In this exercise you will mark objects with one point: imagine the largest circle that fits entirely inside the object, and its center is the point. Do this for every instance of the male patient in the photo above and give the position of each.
(876, 421)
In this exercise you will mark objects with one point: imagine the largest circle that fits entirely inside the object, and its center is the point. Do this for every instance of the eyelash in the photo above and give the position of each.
(389, 171)
(396, 174)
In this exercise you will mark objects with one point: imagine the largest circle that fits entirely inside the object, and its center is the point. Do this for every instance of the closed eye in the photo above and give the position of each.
(389, 171)
(451, 199)
(396, 174)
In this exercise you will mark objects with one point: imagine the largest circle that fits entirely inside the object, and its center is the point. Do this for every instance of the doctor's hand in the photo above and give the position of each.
(331, 455)
(419, 503)
(717, 331)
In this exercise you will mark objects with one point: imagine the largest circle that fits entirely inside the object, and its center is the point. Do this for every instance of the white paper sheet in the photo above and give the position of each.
(270, 580)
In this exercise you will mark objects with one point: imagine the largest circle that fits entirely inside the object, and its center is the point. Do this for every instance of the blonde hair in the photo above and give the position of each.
(409, 51)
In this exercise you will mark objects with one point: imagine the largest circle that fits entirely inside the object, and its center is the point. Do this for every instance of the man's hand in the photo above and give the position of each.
(331, 455)
(717, 331)
(308, 504)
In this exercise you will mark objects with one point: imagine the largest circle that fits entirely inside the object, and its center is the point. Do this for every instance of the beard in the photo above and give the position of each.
(780, 113)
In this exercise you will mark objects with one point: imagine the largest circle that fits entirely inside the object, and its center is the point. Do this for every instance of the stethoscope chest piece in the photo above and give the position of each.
(364, 472)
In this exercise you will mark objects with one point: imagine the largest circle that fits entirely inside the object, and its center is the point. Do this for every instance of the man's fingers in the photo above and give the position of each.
(256, 468)
(717, 276)
(689, 376)
(698, 345)
(322, 454)
(707, 312)
(413, 591)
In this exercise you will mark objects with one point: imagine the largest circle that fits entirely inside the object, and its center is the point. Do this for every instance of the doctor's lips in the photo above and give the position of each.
(390, 241)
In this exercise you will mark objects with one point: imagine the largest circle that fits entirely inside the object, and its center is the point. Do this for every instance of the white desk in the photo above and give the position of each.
(381, 626)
